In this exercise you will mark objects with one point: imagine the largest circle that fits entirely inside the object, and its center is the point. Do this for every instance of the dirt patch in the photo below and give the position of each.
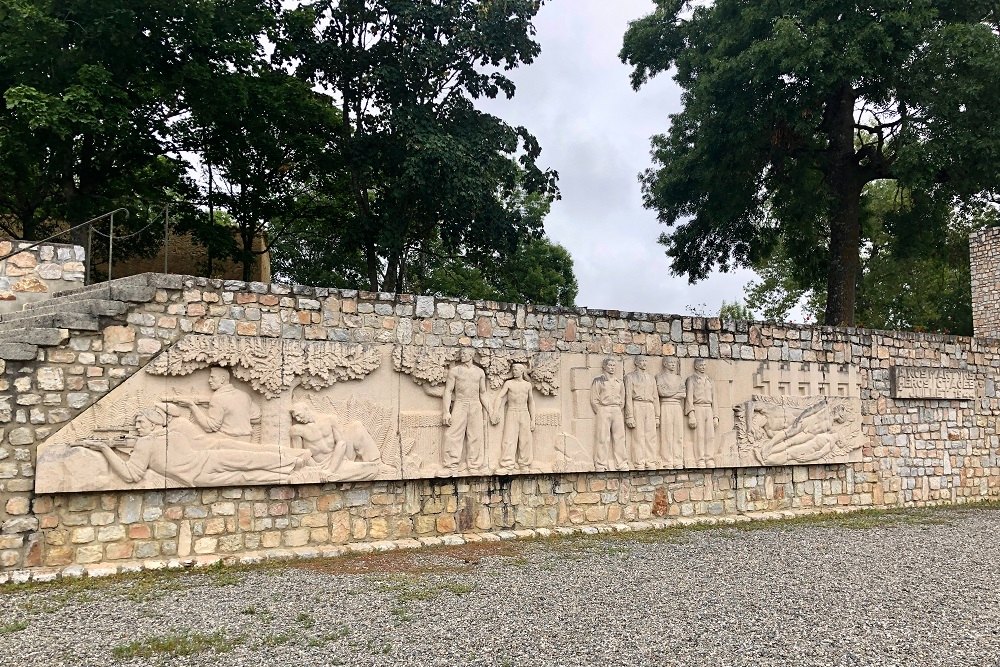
(443, 559)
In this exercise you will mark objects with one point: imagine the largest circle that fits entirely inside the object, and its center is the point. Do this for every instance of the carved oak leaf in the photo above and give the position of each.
(270, 366)
(497, 367)
(544, 373)
(425, 365)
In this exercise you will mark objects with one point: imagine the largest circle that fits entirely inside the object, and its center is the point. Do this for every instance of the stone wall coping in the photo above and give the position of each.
(106, 569)
(178, 282)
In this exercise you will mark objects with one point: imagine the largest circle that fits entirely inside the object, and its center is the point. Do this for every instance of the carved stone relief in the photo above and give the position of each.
(778, 430)
(925, 382)
(218, 411)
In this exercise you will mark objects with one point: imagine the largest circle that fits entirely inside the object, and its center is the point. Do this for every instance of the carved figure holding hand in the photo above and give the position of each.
(463, 404)
(519, 421)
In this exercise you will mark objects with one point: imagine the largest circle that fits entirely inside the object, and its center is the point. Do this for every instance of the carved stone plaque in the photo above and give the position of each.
(215, 411)
(926, 382)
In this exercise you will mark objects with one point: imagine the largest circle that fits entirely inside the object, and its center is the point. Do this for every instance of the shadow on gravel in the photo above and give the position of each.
(430, 560)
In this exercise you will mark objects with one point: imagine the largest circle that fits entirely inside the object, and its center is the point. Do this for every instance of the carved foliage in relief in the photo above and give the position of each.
(269, 365)
(428, 367)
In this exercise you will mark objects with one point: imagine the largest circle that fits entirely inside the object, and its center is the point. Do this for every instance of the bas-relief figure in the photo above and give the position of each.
(607, 398)
(516, 447)
(642, 415)
(700, 409)
(343, 452)
(174, 448)
(229, 410)
(672, 393)
(786, 430)
(341, 413)
(465, 401)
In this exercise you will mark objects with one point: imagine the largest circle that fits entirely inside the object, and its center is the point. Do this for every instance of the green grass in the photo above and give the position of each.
(176, 644)
(410, 588)
(12, 627)
(279, 639)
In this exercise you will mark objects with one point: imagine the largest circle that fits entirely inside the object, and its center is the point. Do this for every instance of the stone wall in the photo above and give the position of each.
(33, 275)
(984, 256)
(917, 451)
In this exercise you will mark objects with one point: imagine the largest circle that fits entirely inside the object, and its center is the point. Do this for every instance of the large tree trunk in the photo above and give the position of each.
(844, 181)
(844, 260)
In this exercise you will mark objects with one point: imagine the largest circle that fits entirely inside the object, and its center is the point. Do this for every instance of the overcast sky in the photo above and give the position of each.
(595, 130)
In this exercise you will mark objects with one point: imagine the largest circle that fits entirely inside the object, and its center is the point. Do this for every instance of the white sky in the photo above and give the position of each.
(595, 130)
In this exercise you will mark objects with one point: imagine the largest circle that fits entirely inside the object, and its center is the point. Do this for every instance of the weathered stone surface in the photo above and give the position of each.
(18, 351)
(30, 284)
(928, 382)
(914, 451)
(36, 336)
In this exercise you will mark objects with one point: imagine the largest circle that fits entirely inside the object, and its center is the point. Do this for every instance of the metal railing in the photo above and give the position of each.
(110, 236)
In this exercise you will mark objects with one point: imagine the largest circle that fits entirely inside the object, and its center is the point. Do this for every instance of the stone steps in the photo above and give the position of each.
(99, 307)
(44, 337)
(138, 280)
(48, 322)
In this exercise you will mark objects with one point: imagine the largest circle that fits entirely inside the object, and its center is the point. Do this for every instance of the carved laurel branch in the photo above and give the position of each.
(269, 365)
(428, 366)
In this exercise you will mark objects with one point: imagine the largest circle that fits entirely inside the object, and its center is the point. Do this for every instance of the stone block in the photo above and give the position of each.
(21, 436)
(18, 351)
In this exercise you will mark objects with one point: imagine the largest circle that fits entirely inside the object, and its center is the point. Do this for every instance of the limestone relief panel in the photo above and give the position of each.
(221, 411)
(217, 411)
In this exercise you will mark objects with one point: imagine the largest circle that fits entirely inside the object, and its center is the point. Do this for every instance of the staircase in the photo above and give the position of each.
(49, 322)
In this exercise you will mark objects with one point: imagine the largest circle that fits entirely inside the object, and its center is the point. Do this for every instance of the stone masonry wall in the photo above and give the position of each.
(984, 256)
(917, 452)
(33, 275)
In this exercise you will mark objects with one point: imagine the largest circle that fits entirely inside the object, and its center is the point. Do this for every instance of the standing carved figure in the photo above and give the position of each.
(699, 406)
(230, 411)
(607, 397)
(466, 384)
(642, 414)
(519, 420)
(670, 387)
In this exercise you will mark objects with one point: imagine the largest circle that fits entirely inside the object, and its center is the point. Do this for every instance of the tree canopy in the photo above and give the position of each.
(423, 163)
(791, 108)
(350, 121)
(918, 280)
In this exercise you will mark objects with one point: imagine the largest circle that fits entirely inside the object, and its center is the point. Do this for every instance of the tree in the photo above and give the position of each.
(424, 165)
(536, 271)
(82, 107)
(792, 107)
(917, 280)
(90, 96)
(262, 137)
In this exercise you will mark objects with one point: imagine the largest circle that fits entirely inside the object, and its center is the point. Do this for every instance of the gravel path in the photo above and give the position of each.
(920, 587)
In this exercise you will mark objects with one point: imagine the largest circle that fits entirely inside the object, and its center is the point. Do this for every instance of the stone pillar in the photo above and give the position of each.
(984, 260)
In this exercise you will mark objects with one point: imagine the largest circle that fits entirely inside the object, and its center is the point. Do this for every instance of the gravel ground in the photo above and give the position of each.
(919, 587)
